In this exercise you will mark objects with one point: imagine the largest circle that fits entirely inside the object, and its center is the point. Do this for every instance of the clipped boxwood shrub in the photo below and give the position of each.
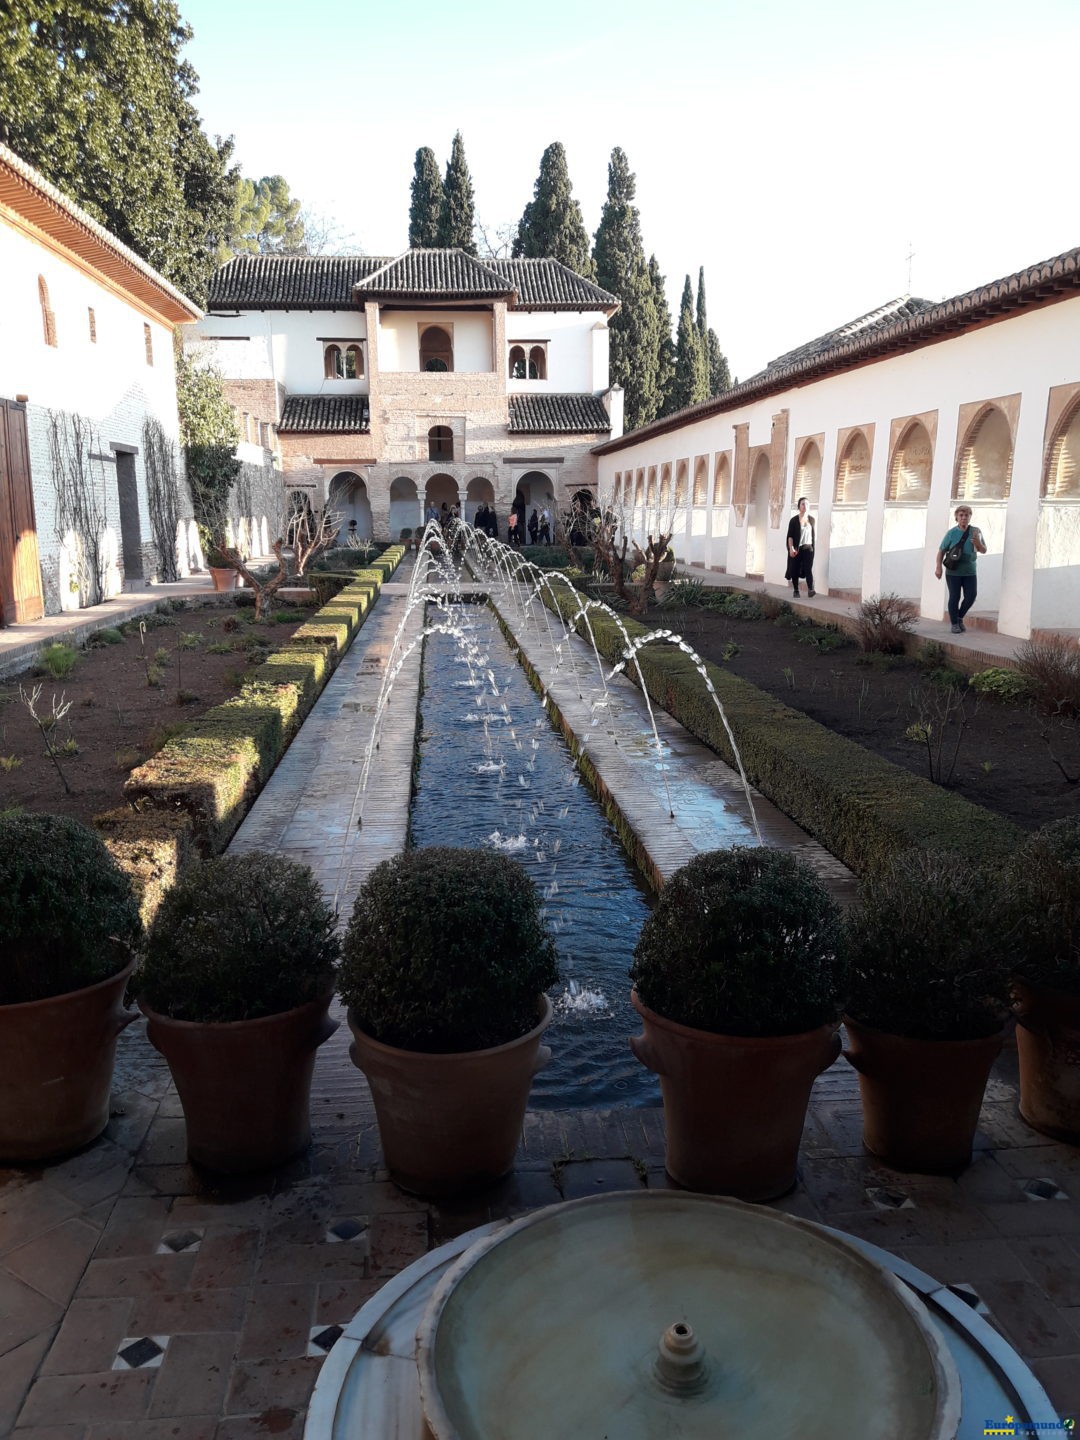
(742, 942)
(239, 937)
(446, 951)
(927, 948)
(68, 914)
(1044, 891)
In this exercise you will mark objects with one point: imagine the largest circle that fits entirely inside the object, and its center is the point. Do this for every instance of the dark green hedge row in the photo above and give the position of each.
(862, 808)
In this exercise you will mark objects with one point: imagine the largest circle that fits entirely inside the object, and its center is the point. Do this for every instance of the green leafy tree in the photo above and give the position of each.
(457, 215)
(621, 268)
(97, 97)
(691, 382)
(208, 433)
(715, 359)
(665, 367)
(552, 224)
(267, 219)
(425, 208)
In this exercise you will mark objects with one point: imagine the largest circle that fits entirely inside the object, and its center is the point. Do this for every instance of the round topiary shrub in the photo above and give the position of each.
(68, 915)
(742, 942)
(927, 949)
(238, 938)
(447, 951)
(1044, 891)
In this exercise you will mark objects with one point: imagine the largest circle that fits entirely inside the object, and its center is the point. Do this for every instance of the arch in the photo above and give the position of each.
(516, 368)
(984, 467)
(406, 512)
(701, 481)
(479, 491)
(722, 481)
(48, 318)
(354, 363)
(853, 471)
(650, 491)
(682, 471)
(639, 488)
(1061, 474)
(333, 365)
(436, 349)
(665, 487)
(911, 466)
(535, 490)
(758, 528)
(537, 363)
(628, 490)
(441, 489)
(347, 495)
(806, 482)
(440, 443)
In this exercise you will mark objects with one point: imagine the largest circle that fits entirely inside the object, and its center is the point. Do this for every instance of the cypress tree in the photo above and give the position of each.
(691, 382)
(622, 269)
(425, 208)
(552, 224)
(715, 359)
(665, 369)
(702, 322)
(457, 214)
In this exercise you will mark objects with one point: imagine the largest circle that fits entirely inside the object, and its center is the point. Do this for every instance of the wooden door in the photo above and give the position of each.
(20, 570)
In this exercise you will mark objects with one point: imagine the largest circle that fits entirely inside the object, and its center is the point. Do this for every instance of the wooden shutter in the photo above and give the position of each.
(20, 570)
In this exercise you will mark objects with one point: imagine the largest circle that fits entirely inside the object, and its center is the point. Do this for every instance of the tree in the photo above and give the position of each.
(323, 235)
(691, 381)
(97, 97)
(551, 224)
(457, 213)
(268, 220)
(621, 268)
(715, 360)
(665, 367)
(425, 208)
(209, 434)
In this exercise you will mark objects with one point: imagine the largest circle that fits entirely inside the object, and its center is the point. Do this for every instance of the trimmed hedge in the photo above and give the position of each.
(152, 847)
(862, 808)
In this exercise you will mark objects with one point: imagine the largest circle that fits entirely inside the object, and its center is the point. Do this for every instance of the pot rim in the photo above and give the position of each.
(830, 1027)
(974, 1042)
(27, 1005)
(1038, 988)
(321, 1002)
(449, 1055)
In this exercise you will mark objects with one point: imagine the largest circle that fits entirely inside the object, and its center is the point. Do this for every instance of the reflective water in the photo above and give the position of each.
(503, 777)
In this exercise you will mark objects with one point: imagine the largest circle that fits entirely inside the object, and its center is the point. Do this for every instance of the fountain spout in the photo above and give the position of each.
(681, 1365)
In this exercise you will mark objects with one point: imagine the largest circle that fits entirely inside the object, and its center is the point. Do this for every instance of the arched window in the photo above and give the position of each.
(985, 467)
(48, 319)
(1062, 478)
(537, 363)
(680, 483)
(912, 462)
(701, 481)
(333, 365)
(639, 488)
(650, 492)
(436, 349)
(517, 363)
(354, 363)
(440, 441)
(853, 472)
(722, 482)
(665, 487)
(807, 481)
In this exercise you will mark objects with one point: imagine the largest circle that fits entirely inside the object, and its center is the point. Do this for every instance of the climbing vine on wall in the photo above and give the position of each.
(79, 477)
(162, 495)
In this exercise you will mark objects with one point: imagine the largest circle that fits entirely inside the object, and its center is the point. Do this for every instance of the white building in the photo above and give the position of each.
(389, 384)
(885, 425)
(86, 361)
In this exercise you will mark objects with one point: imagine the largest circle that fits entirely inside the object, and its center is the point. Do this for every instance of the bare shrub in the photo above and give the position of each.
(1052, 664)
(884, 622)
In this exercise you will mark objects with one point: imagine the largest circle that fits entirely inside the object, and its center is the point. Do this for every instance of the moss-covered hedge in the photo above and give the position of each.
(861, 807)
(152, 847)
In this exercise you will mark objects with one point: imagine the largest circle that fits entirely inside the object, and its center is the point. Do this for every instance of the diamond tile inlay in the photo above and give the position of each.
(884, 1199)
(322, 1339)
(145, 1352)
(347, 1229)
(1042, 1188)
(180, 1242)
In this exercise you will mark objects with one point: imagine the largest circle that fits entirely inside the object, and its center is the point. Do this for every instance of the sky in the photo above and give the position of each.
(801, 153)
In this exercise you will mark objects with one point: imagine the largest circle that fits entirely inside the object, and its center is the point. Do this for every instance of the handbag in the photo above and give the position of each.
(955, 554)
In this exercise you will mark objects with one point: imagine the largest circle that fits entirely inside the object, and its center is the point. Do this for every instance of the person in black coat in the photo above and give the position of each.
(800, 550)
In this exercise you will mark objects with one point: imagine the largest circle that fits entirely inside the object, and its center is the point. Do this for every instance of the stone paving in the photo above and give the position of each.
(141, 1300)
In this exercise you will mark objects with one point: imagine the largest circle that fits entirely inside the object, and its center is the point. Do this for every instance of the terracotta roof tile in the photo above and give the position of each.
(558, 415)
(548, 285)
(434, 272)
(326, 415)
(284, 282)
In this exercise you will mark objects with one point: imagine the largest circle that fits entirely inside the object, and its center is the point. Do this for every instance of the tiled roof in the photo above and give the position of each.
(900, 309)
(558, 415)
(1039, 284)
(325, 415)
(422, 273)
(549, 285)
(284, 282)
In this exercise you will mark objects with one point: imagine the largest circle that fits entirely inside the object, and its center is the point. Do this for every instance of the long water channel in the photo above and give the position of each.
(493, 772)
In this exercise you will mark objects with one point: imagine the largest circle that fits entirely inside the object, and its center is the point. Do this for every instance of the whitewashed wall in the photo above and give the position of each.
(570, 347)
(399, 339)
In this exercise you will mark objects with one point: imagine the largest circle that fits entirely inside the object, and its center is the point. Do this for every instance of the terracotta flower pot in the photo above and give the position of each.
(921, 1098)
(734, 1105)
(1048, 1043)
(56, 1065)
(224, 577)
(450, 1123)
(244, 1085)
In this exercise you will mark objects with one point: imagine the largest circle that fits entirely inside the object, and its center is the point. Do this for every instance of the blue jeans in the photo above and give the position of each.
(962, 592)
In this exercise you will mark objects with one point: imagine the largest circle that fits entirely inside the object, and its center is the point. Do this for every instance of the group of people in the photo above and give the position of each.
(538, 525)
(956, 560)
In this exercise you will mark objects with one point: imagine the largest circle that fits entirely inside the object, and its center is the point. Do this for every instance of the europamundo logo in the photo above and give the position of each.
(1011, 1426)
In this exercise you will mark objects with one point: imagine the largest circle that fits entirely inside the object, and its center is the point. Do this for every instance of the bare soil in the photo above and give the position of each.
(118, 717)
(1006, 754)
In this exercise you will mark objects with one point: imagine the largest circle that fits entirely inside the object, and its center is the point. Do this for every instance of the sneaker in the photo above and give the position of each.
(811, 593)
(957, 629)
(963, 628)
(795, 595)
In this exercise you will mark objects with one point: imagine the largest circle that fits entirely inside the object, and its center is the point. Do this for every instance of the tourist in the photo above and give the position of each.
(545, 526)
(800, 548)
(956, 554)
(431, 513)
(492, 522)
(444, 515)
(480, 519)
(534, 526)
